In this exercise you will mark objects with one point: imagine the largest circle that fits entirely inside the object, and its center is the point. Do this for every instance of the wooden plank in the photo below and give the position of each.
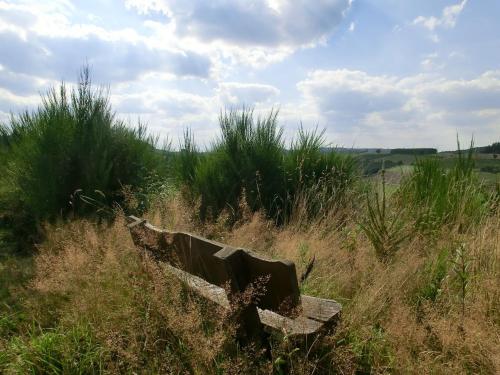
(271, 320)
(299, 326)
(320, 309)
(209, 291)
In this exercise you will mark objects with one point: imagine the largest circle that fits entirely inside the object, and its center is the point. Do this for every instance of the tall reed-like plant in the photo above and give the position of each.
(384, 228)
(318, 180)
(250, 159)
(73, 142)
(188, 158)
(439, 196)
(247, 157)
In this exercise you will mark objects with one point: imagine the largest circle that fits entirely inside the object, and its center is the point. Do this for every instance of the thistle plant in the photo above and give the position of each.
(461, 270)
(384, 230)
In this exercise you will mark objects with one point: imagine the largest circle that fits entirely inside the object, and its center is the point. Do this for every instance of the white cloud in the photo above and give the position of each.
(415, 110)
(250, 22)
(49, 40)
(432, 62)
(237, 94)
(176, 63)
(254, 32)
(447, 20)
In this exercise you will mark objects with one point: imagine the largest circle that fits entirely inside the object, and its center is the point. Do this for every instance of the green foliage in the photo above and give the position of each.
(438, 196)
(249, 159)
(317, 182)
(372, 351)
(384, 230)
(461, 270)
(72, 142)
(491, 149)
(187, 159)
(433, 273)
(72, 351)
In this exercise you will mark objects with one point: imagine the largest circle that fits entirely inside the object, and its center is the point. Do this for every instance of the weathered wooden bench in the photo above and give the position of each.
(219, 273)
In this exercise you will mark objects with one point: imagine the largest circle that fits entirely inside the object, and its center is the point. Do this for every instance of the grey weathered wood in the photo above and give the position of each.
(271, 320)
(205, 266)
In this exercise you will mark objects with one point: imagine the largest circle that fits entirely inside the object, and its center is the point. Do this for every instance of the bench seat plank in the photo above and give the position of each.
(302, 325)
(320, 309)
(203, 288)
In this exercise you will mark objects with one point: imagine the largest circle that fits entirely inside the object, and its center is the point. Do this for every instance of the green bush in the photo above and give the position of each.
(187, 159)
(249, 160)
(73, 150)
(247, 157)
(438, 196)
(317, 183)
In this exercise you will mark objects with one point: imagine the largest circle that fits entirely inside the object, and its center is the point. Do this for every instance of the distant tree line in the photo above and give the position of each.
(414, 151)
(494, 148)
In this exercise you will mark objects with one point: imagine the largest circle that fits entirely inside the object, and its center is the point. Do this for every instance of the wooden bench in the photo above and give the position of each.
(219, 273)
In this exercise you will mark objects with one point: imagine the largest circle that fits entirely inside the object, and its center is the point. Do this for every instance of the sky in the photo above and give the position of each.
(371, 73)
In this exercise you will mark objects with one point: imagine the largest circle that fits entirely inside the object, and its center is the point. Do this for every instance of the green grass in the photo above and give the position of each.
(61, 351)
(436, 195)
(383, 227)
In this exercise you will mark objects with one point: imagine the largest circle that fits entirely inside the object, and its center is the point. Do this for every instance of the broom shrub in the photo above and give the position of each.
(69, 151)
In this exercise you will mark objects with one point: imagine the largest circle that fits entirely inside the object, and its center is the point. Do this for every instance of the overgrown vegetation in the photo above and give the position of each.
(72, 156)
(249, 159)
(440, 196)
(414, 263)
(384, 228)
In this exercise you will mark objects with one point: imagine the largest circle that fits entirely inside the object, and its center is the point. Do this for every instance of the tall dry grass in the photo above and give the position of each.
(389, 321)
(408, 315)
(143, 319)
(415, 313)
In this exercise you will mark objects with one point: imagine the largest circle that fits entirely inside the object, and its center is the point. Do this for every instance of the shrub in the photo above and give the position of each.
(317, 182)
(438, 196)
(384, 230)
(73, 147)
(187, 159)
(249, 159)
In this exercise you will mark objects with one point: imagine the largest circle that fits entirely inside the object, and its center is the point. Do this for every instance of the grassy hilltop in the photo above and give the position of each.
(408, 243)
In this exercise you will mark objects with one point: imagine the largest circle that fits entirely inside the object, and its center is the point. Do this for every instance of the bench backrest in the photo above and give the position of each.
(218, 264)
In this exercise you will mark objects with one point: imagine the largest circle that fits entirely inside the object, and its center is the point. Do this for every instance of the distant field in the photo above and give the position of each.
(396, 165)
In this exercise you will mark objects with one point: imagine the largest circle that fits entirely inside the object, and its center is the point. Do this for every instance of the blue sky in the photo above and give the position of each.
(373, 73)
